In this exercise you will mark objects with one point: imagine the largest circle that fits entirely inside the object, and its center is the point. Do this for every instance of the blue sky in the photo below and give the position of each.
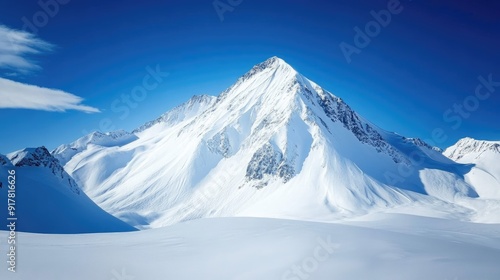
(426, 59)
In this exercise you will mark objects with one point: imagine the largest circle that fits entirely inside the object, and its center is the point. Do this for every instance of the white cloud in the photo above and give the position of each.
(23, 96)
(15, 48)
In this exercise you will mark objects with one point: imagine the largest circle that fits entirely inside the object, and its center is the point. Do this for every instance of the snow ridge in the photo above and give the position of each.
(41, 157)
(64, 153)
(469, 145)
(194, 106)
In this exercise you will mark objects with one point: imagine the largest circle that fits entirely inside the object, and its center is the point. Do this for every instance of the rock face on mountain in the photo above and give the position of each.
(274, 144)
(41, 157)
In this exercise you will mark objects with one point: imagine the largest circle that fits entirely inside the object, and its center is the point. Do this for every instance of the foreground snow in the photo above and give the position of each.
(379, 246)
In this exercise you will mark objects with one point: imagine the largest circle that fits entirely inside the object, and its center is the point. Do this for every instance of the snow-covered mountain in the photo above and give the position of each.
(274, 144)
(469, 150)
(484, 157)
(47, 199)
(109, 139)
(194, 106)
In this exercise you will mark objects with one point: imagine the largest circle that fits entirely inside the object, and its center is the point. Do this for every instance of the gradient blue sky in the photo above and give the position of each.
(428, 58)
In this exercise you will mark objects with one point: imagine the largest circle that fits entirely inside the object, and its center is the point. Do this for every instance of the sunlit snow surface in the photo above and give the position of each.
(380, 246)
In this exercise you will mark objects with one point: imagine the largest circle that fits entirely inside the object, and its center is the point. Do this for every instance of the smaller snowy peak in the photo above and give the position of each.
(191, 108)
(41, 158)
(469, 145)
(33, 157)
(109, 139)
(4, 160)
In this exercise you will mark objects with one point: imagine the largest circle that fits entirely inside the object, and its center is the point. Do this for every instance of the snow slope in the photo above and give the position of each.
(274, 144)
(485, 158)
(109, 139)
(194, 106)
(48, 200)
(379, 247)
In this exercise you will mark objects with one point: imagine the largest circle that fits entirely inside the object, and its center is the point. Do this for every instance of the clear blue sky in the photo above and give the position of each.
(424, 61)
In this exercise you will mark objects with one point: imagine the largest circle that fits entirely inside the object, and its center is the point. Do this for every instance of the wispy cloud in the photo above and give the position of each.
(16, 48)
(23, 96)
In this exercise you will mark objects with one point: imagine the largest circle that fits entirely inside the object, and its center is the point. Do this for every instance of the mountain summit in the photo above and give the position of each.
(274, 144)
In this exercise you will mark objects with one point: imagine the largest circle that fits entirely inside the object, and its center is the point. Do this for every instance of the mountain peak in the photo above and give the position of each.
(271, 66)
(41, 158)
(31, 157)
(273, 62)
(469, 145)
